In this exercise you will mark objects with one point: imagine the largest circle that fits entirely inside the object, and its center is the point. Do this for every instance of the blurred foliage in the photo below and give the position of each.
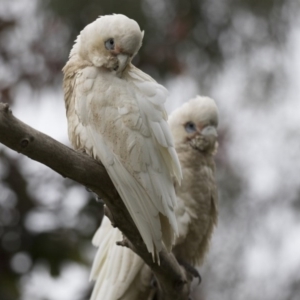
(195, 36)
(53, 247)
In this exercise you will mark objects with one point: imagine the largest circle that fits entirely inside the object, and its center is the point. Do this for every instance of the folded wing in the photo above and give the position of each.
(125, 122)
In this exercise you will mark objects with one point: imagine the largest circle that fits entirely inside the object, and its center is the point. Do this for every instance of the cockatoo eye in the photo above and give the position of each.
(190, 127)
(110, 44)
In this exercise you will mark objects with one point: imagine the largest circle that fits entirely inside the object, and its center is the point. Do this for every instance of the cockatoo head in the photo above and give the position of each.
(195, 124)
(110, 42)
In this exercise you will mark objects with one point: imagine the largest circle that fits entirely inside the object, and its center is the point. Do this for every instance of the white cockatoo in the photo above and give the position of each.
(116, 114)
(122, 275)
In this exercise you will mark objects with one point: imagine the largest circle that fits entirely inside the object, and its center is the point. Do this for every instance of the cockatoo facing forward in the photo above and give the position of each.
(194, 128)
(122, 275)
(115, 113)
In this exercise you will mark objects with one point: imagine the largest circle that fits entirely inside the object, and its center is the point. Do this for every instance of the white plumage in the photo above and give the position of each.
(193, 126)
(115, 268)
(116, 114)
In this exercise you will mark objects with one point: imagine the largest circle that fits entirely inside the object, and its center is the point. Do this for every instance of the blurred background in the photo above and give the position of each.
(245, 55)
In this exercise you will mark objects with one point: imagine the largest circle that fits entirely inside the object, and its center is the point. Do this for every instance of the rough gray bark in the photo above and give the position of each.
(172, 280)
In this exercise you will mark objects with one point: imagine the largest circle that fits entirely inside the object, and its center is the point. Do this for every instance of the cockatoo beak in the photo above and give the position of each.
(123, 60)
(116, 51)
(209, 130)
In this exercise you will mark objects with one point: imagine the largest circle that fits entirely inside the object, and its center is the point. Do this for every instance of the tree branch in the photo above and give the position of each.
(80, 167)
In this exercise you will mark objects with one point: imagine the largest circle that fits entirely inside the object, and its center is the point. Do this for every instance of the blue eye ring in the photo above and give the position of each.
(190, 127)
(110, 44)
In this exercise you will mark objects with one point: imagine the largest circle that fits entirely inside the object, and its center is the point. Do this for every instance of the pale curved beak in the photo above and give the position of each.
(209, 130)
(123, 60)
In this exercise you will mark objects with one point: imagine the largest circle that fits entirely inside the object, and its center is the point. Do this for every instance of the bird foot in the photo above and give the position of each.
(124, 242)
(108, 213)
(154, 289)
(191, 270)
(82, 150)
(153, 282)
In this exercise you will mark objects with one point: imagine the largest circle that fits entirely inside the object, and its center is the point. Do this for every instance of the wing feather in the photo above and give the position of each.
(116, 266)
(124, 124)
(159, 135)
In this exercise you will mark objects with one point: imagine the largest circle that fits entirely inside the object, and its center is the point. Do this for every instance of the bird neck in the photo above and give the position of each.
(191, 157)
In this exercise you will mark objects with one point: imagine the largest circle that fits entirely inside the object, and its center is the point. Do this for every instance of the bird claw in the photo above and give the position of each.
(154, 293)
(123, 243)
(126, 243)
(191, 270)
(153, 283)
(82, 150)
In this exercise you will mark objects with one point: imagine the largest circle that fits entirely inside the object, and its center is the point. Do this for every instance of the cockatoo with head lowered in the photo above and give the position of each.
(116, 114)
(122, 275)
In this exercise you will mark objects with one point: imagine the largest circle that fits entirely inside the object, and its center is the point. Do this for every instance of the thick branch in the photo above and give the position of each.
(87, 171)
